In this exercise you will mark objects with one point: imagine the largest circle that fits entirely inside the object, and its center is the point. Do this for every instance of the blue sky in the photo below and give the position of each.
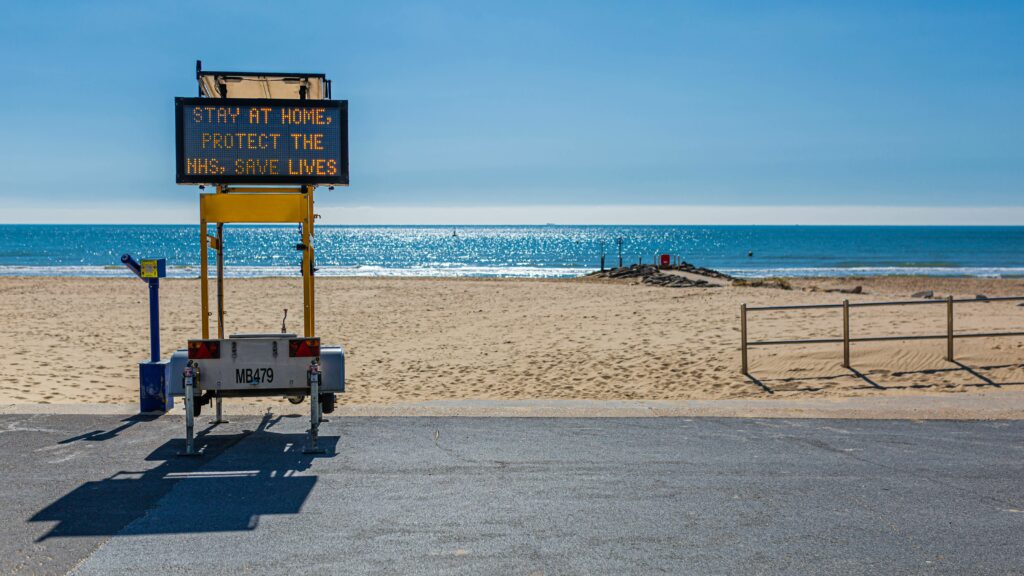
(541, 111)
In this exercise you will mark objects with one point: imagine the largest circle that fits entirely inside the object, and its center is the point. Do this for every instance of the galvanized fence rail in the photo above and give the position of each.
(949, 336)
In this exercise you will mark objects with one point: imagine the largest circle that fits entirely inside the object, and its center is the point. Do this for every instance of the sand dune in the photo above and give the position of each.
(78, 340)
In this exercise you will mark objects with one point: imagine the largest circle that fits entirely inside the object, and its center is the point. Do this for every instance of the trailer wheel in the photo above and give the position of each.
(197, 407)
(297, 399)
(327, 403)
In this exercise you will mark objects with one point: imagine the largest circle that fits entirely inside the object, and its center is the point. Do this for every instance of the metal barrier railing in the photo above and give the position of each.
(949, 336)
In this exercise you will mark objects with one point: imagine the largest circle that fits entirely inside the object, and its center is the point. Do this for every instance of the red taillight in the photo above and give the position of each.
(304, 347)
(203, 349)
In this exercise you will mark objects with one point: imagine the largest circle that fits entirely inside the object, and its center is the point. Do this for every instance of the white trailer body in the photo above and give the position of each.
(258, 365)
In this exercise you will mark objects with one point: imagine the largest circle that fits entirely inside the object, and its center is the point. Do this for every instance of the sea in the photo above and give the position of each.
(521, 251)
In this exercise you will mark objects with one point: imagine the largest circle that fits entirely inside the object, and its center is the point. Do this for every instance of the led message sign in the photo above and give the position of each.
(257, 141)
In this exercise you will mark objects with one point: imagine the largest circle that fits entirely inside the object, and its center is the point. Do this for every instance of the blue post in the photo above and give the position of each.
(154, 319)
(152, 380)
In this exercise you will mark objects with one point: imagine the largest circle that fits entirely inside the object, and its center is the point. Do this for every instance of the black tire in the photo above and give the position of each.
(327, 402)
(197, 407)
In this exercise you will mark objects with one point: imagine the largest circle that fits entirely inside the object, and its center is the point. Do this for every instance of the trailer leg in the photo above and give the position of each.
(314, 414)
(220, 414)
(320, 410)
(190, 402)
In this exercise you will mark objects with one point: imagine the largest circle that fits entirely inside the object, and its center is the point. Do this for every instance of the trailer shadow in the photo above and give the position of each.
(102, 435)
(226, 489)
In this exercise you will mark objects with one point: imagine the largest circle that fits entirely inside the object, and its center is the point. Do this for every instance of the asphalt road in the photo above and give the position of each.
(103, 495)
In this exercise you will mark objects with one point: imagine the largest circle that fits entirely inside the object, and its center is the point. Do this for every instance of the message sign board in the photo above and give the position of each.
(261, 141)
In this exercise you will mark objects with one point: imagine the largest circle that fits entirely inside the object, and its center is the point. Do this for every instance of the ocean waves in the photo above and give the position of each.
(522, 251)
(501, 271)
(323, 272)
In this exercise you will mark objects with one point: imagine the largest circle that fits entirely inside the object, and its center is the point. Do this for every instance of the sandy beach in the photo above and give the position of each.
(77, 340)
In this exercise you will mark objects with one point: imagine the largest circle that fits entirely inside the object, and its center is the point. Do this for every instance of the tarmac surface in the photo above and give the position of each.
(105, 494)
(992, 404)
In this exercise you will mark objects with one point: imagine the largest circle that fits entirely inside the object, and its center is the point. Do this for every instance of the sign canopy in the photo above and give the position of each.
(278, 85)
(261, 141)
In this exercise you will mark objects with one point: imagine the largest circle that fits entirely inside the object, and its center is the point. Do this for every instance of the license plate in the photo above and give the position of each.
(254, 376)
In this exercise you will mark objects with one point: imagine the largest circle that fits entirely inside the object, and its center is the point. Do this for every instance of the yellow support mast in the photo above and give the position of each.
(255, 205)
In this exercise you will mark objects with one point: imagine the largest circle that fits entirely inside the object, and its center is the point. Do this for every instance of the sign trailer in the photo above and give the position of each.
(265, 141)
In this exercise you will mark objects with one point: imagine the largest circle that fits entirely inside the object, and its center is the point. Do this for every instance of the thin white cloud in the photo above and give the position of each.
(179, 213)
(677, 214)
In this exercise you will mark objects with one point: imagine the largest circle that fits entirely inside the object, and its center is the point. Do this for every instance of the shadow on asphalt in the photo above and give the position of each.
(102, 435)
(222, 492)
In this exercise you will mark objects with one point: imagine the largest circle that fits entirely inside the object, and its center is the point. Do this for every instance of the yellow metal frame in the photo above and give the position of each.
(254, 205)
